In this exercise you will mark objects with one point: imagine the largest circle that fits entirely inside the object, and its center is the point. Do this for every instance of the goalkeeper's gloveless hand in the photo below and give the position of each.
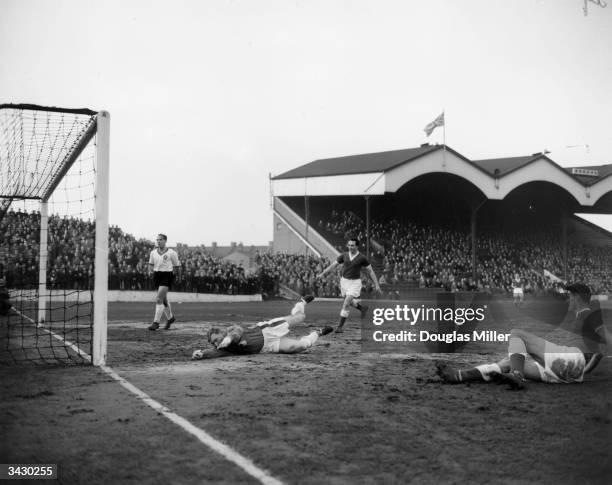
(225, 342)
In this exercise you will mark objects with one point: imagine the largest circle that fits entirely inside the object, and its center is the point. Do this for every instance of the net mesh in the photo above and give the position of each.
(47, 178)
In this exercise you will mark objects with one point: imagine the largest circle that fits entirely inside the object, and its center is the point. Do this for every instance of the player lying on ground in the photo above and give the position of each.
(350, 283)
(264, 337)
(568, 352)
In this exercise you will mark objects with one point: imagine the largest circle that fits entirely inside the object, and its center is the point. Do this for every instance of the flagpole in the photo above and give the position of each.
(444, 139)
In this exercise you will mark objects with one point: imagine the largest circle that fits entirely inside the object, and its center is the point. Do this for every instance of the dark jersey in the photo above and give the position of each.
(593, 322)
(582, 331)
(253, 342)
(351, 269)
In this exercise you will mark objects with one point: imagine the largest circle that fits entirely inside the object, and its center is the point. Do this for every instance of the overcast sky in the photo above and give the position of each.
(209, 97)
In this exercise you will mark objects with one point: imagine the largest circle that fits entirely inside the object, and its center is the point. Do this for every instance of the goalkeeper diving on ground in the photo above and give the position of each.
(269, 336)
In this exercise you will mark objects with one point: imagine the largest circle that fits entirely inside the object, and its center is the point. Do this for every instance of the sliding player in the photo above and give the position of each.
(569, 352)
(350, 282)
(264, 337)
(163, 261)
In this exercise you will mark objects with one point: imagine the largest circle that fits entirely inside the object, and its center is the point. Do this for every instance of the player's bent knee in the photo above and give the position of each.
(295, 319)
(504, 364)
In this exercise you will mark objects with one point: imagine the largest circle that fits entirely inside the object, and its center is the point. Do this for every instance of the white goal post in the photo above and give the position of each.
(101, 241)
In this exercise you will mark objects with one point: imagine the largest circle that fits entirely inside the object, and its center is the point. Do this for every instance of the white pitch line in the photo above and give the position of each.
(224, 450)
(228, 453)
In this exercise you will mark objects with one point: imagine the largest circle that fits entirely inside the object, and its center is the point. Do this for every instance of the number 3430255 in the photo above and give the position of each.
(20, 471)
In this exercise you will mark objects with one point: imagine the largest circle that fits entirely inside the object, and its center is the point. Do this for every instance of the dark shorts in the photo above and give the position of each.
(163, 278)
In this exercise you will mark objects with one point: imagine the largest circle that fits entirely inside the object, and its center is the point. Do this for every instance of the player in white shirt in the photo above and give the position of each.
(163, 262)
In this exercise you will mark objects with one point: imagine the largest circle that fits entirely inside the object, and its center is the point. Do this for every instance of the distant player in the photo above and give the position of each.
(568, 352)
(5, 299)
(261, 338)
(163, 262)
(517, 291)
(350, 283)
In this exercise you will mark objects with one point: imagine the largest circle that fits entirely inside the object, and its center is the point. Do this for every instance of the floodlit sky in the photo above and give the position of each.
(209, 97)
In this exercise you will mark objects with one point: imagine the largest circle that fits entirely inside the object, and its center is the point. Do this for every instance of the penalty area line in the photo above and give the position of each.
(224, 450)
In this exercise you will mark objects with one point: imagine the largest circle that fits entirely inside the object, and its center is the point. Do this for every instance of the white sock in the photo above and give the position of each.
(168, 311)
(159, 311)
(310, 339)
(487, 369)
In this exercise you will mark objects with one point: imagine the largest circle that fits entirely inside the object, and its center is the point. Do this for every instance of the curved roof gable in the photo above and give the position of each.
(505, 165)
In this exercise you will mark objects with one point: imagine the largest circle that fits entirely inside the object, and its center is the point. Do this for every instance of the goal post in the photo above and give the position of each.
(101, 242)
(54, 191)
(43, 261)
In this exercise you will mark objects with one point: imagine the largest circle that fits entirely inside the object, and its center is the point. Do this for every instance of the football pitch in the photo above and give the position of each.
(334, 414)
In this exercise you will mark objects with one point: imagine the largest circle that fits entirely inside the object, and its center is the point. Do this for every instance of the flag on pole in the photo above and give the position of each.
(439, 121)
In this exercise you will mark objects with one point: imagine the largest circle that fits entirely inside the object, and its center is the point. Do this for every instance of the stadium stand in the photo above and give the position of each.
(432, 232)
(437, 220)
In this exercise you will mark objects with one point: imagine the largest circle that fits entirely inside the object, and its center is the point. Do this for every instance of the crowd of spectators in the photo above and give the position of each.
(340, 226)
(71, 259)
(402, 252)
(297, 272)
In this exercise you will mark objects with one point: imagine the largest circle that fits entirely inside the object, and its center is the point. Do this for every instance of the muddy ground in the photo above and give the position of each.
(334, 414)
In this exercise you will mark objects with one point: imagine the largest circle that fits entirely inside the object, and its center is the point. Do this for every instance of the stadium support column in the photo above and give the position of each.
(306, 218)
(42, 261)
(473, 231)
(101, 242)
(564, 239)
(367, 201)
(475, 209)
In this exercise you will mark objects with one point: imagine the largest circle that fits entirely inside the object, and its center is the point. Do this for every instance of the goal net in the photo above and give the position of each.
(53, 234)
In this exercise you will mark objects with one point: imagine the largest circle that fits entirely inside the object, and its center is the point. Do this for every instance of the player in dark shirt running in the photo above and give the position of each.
(350, 283)
(568, 352)
(264, 337)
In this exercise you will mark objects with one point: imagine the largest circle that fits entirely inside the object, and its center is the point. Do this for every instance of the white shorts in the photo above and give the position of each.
(516, 292)
(350, 287)
(273, 330)
(562, 365)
